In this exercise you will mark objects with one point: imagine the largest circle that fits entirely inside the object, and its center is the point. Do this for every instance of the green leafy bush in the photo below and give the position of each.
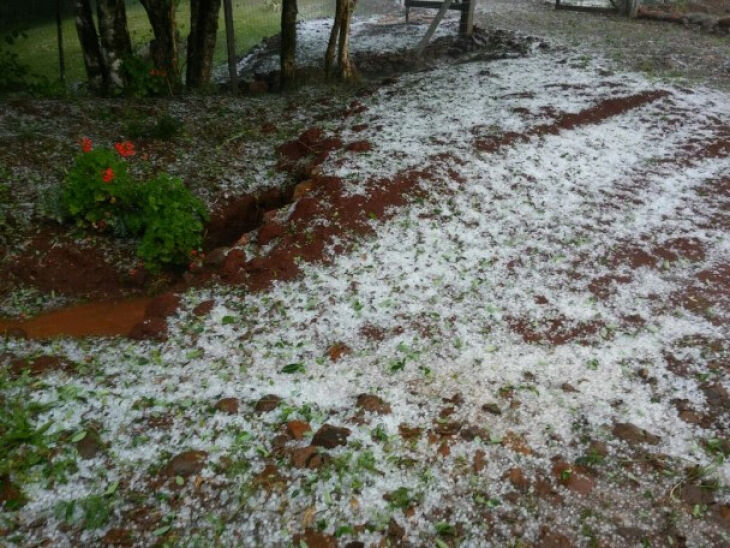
(14, 75)
(99, 191)
(173, 221)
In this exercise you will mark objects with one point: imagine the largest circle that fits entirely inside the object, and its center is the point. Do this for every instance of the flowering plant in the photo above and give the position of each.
(99, 192)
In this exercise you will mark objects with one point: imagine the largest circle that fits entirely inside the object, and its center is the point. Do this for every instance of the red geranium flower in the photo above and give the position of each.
(107, 175)
(86, 145)
(125, 149)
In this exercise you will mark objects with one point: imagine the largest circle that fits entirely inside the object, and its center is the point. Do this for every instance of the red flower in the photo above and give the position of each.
(125, 149)
(86, 145)
(107, 175)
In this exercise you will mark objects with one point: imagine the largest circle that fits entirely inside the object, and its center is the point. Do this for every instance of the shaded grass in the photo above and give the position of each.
(253, 20)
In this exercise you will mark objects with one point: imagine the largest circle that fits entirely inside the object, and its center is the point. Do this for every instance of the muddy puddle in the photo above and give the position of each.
(97, 319)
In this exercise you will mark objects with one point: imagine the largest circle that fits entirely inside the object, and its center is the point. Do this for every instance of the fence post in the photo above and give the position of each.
(466, 23)
(59, 37)
(231, 44)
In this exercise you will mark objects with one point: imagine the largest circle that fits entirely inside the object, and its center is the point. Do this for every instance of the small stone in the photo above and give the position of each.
(329, 436)
(633, 434)
(457, 399)
(297, 429)
(337, 350)
(306, 457)
(518, 480)
(492, 408)
(409, 432)
(186, 464)
(359, 146)
(228, 405)
(447, 428)
(471, 433)
(395, 531)
(90, 445)
(267, 403)
(204, 308)
(479, 461)
(373, 404)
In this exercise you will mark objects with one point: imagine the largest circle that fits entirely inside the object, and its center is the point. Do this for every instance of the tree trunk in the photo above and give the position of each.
(231, 45)
(347, 70)
(201, 41)
(340, 39)
(288, 42)
(163, 48)
(93, 59)
(115, 42)
(329, 58)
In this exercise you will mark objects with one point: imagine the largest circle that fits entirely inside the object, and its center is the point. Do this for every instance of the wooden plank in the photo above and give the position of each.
(586, 9)
(430, 4)
(435, 23)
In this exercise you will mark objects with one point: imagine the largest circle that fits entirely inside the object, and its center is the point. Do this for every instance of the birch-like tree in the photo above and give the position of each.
(339, 42)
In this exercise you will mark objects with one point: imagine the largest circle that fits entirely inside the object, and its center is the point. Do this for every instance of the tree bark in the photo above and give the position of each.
(288, 42)
(340, 38)
(115, 42)
(347, 70)
(201, 41)
(329, 58)
(93, 59)
(163, 48)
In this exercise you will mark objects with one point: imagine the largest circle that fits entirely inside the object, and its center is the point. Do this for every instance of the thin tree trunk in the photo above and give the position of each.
(231, 45)
(329, 58)
(201, 41)
(347, 70)
(115, 41)
(93, 58)
(288, 42)
(163, 48)
(59, 36)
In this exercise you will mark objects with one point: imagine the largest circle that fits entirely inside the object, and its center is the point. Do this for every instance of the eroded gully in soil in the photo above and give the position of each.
(296, 234)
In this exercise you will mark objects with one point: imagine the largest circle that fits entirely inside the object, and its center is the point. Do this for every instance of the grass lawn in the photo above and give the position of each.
(254, 19)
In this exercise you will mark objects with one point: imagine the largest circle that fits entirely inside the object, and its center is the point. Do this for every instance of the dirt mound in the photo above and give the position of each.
(66, 268)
